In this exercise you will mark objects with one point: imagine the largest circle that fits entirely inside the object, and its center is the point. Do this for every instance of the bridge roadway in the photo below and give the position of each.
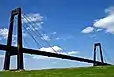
(13, 51)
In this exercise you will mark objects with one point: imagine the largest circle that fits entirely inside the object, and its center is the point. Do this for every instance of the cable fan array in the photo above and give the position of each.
(36, 35)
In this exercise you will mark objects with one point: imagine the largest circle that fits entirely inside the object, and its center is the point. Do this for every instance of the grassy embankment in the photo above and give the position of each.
(104, 71)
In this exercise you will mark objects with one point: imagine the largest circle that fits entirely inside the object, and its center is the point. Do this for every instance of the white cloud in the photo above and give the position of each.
(54, 33)
(45, 37)
(39, 57)
(98, 30)
(33, 17)
(104, 22)
(88, 30)
(110, 10)
(34, 27)
(14, 44)
(73, 52)
(64, 38)
(50, 49)
(107, 22)
(57, 38)
(35, 21)
(4, 33)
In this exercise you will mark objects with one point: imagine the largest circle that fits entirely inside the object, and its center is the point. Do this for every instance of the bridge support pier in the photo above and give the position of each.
(7, 61)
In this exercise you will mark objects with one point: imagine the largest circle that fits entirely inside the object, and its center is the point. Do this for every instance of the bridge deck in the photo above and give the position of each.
(49, 54)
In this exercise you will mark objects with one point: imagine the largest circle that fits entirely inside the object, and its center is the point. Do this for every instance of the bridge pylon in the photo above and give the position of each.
(20, 66)
(101, 54)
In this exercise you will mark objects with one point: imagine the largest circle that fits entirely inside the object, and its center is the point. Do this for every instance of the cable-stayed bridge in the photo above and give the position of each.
(19, 50)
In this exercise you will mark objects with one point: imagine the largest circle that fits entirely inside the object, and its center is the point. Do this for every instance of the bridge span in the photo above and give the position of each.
(13, 50)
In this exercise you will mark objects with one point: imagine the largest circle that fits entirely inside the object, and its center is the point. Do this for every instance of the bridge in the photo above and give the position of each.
(19, 50)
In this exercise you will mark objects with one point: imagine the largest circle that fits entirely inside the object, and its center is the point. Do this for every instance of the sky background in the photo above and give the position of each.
(70, 26)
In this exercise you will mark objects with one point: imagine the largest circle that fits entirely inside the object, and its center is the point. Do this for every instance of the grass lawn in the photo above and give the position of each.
(99, 71)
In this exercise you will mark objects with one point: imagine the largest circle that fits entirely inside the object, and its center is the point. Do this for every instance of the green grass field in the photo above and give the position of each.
(99, 71)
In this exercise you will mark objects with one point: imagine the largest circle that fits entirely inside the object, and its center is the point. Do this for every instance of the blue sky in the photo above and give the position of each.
(70, 25)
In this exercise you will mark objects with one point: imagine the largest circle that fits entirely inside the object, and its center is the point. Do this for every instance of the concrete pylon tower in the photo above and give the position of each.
(95, 51)
(15, 12)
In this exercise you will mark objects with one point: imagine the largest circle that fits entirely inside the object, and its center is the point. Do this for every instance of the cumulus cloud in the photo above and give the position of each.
(98, 30)
(88, 30)
(73, 52)
(58, 49)
(35, 21)
(110, 10)
(45, 37)
(50, 49)
(33, 17)
(105, 23)
(34, 27)
(4, 33)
